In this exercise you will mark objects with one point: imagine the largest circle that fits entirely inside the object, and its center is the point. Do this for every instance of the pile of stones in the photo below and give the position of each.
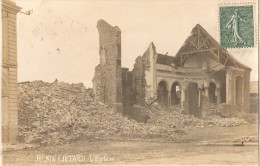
(58, 112)
(53, 113)
(170, 117)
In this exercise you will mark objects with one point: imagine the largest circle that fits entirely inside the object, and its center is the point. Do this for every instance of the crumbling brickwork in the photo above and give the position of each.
(127, 91)
(120, 88)
(139, 81)
(108, 74)
(202, 77)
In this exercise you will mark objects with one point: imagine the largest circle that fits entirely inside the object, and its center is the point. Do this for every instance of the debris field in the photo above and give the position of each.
(58, 112)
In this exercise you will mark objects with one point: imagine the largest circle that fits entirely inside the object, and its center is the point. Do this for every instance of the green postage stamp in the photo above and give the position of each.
(236, 26)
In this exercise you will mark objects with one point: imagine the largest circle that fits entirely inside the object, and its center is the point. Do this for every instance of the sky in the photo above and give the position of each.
(60, 39)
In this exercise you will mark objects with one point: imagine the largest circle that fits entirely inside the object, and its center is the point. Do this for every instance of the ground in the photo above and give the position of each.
(190, 150)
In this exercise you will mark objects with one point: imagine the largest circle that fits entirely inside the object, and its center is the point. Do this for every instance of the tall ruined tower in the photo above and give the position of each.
(107, 81)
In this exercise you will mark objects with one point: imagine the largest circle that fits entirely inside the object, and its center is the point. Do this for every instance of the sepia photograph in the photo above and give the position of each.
(121, 82)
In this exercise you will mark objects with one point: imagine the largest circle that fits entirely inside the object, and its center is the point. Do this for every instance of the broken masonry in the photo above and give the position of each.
(199, 75)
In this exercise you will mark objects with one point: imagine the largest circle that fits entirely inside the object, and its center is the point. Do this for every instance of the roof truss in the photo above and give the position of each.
(200, 41)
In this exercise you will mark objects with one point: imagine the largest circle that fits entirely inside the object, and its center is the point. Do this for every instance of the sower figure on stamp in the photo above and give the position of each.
(234, 19)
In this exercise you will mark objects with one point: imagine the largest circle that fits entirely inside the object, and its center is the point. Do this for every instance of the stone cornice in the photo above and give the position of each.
(10, 6)
(231, 68)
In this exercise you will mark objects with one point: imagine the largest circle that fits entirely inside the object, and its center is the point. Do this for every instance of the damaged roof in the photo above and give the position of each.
(165, 59)
(201, 40)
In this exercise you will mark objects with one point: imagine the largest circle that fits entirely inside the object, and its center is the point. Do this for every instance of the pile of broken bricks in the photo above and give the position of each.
(58, 112)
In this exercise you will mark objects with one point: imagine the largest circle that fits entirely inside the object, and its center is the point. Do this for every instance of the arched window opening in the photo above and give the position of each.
(162, 94)
(175, 94)
(212, 93)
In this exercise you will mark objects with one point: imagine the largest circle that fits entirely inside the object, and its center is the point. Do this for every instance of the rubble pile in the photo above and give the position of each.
(249, 117)
(175, 119)
(225, 113)
(53, 113)
(58, 112)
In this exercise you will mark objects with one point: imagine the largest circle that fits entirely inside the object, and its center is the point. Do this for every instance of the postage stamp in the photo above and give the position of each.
(236, 26)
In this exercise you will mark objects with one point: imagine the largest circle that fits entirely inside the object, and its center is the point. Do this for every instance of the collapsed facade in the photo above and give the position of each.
(200, 74)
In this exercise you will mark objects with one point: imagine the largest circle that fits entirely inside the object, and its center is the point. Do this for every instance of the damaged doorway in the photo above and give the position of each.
(162, 94)
(212, 93)
(193, 99)
(175, 94)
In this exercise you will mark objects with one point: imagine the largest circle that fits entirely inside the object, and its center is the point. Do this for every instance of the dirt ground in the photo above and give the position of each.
(188, 151)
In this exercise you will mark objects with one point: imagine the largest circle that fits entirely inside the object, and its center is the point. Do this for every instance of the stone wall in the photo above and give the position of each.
(127, 91)
(112, 85)
(133, 91)
(253, 102)
(139, 83)
(108, 74)
(246, 91)
(99, 84)
(149, 59)
(136, 89)
(231, 91)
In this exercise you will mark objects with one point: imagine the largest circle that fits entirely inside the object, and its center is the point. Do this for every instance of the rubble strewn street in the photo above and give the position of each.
(54, 113)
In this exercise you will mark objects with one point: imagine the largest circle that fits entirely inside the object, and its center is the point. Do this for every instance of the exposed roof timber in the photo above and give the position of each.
(199, 51)
(227, 57)
(232, 58)
(208, 35)
(214, 72)
(235, 61)
(214, 54)
(193, 44)
(214, 65)
(188, 55)
(203, 42)
(198, 37)
(185, 58)
(226, 61)
(214, 44)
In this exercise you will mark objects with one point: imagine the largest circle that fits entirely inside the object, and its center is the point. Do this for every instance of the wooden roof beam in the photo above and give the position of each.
(185, 58)
(226, 61)
(199, 51)
(228, 57)
(203, 42)
(193, 44)
(214, 54)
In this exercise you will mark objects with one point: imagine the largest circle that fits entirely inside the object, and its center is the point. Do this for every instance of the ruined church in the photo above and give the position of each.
(201, 74)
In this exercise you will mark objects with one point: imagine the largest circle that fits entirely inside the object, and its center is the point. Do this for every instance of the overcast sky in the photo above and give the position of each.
(60, 39)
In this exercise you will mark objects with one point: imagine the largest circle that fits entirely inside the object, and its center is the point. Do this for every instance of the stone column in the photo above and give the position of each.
(182, 97)
(201, 103)
(184, 100)
(199, 100)
(169, 98)
(218, 90)
(206, 91)
(205, 105)
(229, 98)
